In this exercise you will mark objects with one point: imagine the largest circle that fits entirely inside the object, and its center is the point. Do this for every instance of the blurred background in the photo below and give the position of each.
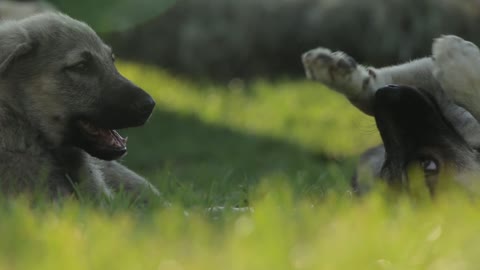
(233, 105)
(225, 39)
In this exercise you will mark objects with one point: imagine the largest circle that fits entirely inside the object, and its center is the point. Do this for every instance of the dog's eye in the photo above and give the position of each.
(429, 166)
(82, 66)
(79, 67)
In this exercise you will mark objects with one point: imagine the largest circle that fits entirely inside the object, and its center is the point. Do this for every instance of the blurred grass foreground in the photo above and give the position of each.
(279, 234)
(205, 148)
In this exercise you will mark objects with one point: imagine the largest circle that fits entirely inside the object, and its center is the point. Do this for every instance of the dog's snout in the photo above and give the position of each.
(144, 106)
(140, 103)
(124, 105)
(392, 94)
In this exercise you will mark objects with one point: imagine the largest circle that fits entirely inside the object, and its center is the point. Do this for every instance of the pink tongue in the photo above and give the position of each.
(110, 137)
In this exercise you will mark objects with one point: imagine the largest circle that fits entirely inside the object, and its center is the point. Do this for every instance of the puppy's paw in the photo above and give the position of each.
(457, 68)
(337, 70)
(323, 65)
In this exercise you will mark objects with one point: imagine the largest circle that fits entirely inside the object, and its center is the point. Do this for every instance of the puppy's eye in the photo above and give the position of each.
(429, 166)
(81, 66)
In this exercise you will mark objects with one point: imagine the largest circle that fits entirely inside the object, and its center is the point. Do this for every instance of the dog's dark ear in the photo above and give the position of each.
(12, 48)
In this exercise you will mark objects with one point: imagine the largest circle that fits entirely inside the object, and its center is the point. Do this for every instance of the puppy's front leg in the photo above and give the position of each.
(120, 177)
(359, 83)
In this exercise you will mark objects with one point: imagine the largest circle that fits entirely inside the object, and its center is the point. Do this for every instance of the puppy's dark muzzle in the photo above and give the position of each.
(122, 106)
(407, 107)
(402, 113)
(410, 119)
(140, 110)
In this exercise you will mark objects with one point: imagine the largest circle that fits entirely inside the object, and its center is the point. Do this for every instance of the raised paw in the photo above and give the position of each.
(338, 71)
(323, 65)
(457, 68)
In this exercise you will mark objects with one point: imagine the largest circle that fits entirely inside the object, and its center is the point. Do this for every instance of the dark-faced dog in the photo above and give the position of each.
(424, 110)
(416, 135)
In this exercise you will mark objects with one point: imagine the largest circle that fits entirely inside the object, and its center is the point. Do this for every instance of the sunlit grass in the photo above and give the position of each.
(281, 233)
(210, 144)
(303, 112)
(285, 150)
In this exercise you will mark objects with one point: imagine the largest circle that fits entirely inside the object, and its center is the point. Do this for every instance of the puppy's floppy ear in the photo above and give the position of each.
(14, 43)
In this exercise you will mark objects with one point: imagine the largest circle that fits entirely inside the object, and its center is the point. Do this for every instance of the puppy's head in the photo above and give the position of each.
(417, 135)
(69, 87)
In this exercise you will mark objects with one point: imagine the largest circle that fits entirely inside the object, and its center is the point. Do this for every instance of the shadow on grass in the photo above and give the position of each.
(199, 163)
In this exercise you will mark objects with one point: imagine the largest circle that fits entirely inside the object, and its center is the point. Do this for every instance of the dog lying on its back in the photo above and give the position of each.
(61, 99)
(427, 110)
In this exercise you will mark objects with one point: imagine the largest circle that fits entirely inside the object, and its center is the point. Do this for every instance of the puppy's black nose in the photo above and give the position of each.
(145, 106)
(400, 98)
(391, 94)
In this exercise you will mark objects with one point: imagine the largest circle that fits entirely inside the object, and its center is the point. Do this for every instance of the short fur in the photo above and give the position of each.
(46, 84)
(449, 80)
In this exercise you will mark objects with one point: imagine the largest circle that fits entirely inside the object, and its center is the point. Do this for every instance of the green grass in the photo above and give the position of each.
(207, 145)
(286, 149)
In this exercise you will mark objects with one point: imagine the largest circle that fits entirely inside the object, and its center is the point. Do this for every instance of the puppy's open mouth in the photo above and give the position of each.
(106, 144)
(106, 137)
